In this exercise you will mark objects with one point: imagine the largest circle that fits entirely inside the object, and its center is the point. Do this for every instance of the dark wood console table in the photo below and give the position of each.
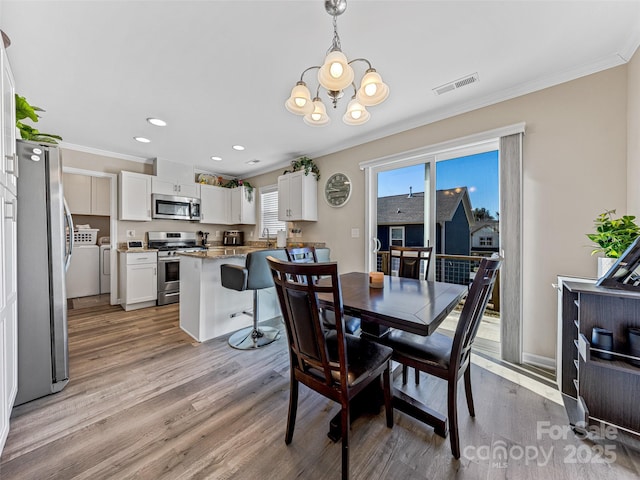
(604, 390)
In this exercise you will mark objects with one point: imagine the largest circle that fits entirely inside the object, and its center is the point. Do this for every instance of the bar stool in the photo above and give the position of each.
(255, 275)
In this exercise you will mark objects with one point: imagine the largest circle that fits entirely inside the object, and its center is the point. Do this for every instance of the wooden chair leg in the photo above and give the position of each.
(388, 400)
(346, 424)
(293, 408)
(417, 376)
(452, 400)
(405, 371)
(467, 390)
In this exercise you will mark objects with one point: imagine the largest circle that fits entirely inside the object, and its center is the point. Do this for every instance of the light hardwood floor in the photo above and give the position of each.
(145, 401)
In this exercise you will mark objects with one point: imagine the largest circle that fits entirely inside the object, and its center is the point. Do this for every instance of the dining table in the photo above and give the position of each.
(413, 305)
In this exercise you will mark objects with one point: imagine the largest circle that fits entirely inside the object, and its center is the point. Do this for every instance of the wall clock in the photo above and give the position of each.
(337, 190)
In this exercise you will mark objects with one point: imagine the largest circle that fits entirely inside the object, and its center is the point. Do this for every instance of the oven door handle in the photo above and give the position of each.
(168, 259)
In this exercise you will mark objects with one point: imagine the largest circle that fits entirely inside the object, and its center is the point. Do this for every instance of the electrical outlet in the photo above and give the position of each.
(355, 233)
(217, 233)
(131, 233)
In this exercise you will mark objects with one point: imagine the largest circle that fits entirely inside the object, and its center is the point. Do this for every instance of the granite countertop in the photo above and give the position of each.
(216, 253)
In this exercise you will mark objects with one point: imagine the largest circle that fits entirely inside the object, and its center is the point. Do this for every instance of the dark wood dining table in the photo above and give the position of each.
(415, 306)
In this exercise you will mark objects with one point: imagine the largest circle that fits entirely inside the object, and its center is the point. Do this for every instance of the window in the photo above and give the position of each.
(486, 241)
(269, 211)
(396, 236)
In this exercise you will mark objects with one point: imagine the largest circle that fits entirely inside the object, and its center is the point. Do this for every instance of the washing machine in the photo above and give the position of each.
(105, 268)
(83, 274)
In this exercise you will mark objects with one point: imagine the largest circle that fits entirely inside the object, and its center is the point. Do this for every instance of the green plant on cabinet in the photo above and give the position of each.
(26, 111)
(306, 164)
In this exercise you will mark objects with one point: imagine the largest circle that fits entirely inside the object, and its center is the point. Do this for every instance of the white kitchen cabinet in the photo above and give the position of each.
(215, 205)
(77, 192)
(8, 250)
(169, 187)
(9, 159)
(243, 209)
(134, 196)
(87, 195)
(138, 279)
(173, 178)
(297, 197)
(100, 196)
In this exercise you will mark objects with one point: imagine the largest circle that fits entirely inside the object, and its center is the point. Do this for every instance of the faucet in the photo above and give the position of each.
(266, 231)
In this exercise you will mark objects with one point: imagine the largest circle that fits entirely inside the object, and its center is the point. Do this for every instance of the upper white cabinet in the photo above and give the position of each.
(134, 196)
(172, 178)
(297, 197)
(215, 205)
(243, 209)
(169, 187)
(87, 195)
(8, 251)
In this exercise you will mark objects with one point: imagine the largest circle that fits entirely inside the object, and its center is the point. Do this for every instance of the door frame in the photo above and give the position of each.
(511, 291)
(113, 224)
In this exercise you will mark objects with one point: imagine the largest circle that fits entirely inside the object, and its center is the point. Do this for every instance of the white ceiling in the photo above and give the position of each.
(219, 72)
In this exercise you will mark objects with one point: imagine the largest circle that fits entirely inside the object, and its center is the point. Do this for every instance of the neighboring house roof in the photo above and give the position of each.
(405, 209)
(492, 225)
(401, 209)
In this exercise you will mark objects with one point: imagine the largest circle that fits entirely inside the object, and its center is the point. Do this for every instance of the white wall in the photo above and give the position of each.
(633, 136)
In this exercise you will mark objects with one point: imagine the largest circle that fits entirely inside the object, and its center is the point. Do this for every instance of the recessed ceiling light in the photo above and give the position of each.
(142, 140)
(238, 147)
(217, 159)
(157, 122)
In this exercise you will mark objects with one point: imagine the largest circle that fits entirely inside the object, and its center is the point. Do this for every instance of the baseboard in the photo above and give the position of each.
(539, 360)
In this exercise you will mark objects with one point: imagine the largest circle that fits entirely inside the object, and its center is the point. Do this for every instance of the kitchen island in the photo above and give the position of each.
(206, 307)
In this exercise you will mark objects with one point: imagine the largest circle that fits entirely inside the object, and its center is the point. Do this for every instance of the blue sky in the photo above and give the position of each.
(479, 173)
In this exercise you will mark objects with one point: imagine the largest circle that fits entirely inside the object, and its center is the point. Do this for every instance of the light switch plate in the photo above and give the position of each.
(355, 233)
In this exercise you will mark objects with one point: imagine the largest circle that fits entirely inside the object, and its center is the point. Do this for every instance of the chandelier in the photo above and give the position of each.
(336, 75)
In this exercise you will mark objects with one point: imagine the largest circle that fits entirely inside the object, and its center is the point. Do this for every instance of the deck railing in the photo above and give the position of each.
(458, 269)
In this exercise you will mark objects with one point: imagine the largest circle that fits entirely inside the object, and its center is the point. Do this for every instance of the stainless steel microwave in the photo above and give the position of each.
(175, 208)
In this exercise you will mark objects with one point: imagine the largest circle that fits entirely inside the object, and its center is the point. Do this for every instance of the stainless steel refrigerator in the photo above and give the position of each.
(43, 254)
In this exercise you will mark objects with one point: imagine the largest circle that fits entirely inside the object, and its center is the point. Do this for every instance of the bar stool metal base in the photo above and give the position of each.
(250, 337)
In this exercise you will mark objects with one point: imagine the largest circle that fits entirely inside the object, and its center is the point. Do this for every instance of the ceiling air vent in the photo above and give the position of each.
(447, 87)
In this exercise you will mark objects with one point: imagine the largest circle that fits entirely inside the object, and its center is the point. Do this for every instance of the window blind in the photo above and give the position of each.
(269, 211)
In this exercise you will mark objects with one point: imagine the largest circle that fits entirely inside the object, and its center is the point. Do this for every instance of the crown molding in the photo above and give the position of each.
(105, 153)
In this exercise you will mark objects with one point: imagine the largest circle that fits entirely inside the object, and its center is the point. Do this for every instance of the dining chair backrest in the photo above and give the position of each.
(302, 254)
(409, 260)
(473, 310)
(298, 296)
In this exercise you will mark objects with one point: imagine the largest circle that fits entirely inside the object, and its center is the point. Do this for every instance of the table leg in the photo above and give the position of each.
(419, 411)
(368, 401)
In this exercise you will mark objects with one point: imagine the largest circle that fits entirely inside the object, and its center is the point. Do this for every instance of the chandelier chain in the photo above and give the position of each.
(335, 45)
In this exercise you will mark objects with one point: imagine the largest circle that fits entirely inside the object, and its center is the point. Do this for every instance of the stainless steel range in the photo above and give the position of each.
(169, 245)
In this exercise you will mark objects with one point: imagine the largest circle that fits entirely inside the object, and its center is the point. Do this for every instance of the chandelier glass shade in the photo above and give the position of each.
(335, 75)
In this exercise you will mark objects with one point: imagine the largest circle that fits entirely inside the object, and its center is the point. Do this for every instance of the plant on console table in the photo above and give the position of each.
(235, 182)
(613, 236)
(306, 164)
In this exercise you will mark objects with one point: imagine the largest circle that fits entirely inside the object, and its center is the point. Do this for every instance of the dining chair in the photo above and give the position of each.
(335, 364)
(445, 357)
(309, 254)
(409, 260)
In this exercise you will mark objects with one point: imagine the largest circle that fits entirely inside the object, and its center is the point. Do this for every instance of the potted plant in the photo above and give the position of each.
(613, 236)
(235, 182)
(27, 132)
(304, 163)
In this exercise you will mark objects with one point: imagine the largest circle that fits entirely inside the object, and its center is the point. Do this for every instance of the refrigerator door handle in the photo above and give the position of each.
(67, 213)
